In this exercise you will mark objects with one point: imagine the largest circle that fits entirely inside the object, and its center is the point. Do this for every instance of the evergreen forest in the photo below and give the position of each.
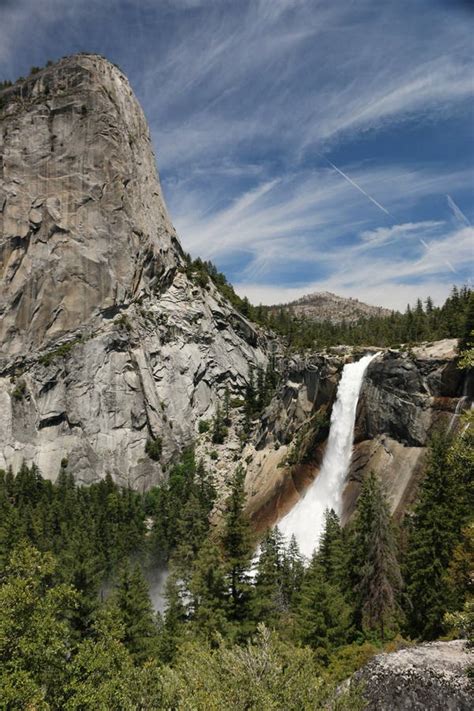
(80, 567)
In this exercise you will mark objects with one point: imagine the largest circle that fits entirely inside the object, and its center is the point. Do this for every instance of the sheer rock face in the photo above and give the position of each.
(83, 223)
(105, 342)
(405, 396)
(428, 676)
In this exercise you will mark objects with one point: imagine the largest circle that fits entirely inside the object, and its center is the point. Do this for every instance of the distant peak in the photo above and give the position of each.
(326, 306)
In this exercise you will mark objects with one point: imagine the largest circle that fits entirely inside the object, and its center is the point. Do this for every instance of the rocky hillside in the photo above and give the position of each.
(106, 344)
(324, 306)
(406, 394)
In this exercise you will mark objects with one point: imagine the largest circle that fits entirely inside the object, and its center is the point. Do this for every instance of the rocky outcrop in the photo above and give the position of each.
(324, 306)
(429, 677)
(106, 343)
(406, 395)
(289, 443)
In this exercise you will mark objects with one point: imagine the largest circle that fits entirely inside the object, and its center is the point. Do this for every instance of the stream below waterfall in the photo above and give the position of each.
(305, 520)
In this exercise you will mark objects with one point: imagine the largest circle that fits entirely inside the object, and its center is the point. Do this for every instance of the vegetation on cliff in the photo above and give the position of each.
(421, 322)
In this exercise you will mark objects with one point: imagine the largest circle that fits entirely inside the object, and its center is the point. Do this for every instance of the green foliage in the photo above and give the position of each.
(61, 351)
(237, 546)
(375, 568)
(180, 510)
(323, 617)
(204, 426)
(219, 429)
(19, 391)
(77, 629)
(310, 434)
(332, 553)
(133, 604)
(123, 321)
(269, 601)
(263, 675)
(209, 592)
(444, 507)
(154, 448)
(35, 636)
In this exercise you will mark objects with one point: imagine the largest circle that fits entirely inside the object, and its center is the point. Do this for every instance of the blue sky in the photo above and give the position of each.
(302, 145)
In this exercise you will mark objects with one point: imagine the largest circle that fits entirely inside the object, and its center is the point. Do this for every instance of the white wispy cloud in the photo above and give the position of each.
(385, 282)
(304, 215)
(386, 235)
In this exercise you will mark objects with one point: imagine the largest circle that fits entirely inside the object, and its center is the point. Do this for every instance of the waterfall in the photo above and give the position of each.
(464, 403)
(305, 521)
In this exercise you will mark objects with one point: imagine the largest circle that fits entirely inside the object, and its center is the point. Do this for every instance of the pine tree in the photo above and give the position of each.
(323, 618)
(208, 589)
(102, 674)
(36, 639)
(292, 573)
(227, 418)
(237, 546)
(133, 602)
(269, 603)
(219, 430)
(443, 506)
(377, 572)
(171, 630)
(331, 553)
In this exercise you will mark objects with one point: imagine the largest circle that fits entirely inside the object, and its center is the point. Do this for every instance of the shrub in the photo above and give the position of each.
(20, 390)
(60, 352)
(213, 455)
(204, 426)
(123, 322)
(154, 448)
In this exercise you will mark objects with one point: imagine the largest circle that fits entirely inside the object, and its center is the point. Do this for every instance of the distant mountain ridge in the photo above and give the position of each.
(324, 306)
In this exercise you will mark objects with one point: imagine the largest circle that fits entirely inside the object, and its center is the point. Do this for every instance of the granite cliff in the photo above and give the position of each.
(105, 341)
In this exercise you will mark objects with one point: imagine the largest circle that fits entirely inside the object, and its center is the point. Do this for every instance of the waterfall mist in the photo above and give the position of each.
(305, 521)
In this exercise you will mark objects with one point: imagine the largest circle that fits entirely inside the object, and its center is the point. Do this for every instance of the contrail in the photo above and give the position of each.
(457, 212)
(429, 249)
(352, 182)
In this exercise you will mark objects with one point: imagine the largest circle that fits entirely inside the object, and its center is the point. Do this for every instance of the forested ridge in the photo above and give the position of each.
(419, 322)
(78, 629)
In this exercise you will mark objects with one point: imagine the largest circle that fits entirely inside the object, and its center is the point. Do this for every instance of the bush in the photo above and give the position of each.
(60, 352)
(154, 448)
(213, 455)
(123, 322)
(19, 391)
(204, 426)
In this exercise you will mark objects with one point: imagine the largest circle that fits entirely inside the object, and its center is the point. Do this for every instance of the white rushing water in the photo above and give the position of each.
(305, 521)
